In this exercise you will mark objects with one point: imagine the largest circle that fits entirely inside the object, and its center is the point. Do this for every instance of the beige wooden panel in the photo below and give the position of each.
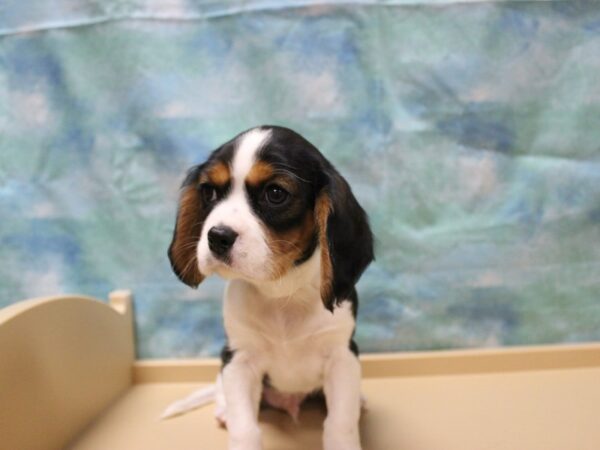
(62, 361)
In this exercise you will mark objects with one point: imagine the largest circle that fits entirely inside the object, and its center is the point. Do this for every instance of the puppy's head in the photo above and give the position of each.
(262, 205)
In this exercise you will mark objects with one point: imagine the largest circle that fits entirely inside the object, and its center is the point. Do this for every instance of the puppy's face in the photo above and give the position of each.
(262, 204)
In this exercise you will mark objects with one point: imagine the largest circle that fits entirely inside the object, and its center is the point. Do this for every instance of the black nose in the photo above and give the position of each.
(221, 239)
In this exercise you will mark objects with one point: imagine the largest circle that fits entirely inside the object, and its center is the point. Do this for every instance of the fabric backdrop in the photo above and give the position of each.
(470, 132)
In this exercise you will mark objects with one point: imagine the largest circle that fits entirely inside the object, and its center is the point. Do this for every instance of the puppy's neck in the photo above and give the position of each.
(302, 282)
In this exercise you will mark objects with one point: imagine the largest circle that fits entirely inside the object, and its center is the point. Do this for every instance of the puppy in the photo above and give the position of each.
(270, 214)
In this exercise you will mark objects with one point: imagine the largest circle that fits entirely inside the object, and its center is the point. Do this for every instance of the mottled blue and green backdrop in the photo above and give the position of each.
(470, 132)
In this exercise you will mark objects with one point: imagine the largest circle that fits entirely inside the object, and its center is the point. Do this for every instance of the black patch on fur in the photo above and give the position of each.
(308, 251)
(281, 218)
(226, 355)
(349, 236)
(348, 231)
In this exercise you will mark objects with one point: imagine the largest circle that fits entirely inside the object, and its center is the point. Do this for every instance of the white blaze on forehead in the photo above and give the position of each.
(245, 154)
(250, 257)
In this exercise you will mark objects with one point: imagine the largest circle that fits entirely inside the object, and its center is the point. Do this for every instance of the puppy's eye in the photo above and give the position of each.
(209, 193)
(275, 194)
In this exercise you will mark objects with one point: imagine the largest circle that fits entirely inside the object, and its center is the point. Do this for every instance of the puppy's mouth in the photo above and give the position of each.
(238, 261)
(227, 272)
(224, 260)
(234, 267)
(223, 265)
(217, 263)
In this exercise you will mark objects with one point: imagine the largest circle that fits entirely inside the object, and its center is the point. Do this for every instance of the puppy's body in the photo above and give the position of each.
(268, 212)
(290, 334)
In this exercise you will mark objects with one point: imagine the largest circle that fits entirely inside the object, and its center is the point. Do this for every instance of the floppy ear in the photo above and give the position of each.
(345, 239)
(190, 217)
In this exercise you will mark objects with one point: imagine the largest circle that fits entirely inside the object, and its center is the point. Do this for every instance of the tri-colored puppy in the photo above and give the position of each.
(268, 212)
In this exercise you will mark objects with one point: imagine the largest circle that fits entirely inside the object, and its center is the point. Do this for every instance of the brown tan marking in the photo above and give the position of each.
(217, 174)
(261, 171)
(323, 208)
(185, 239)
(288, 247)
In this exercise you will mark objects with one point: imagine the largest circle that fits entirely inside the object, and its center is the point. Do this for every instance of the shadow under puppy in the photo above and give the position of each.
(270, 214)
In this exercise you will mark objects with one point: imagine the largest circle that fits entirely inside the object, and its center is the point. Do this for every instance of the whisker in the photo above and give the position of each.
(291, 174)
(295, 246)
(189, 245)
(195, 224)
(189, 266)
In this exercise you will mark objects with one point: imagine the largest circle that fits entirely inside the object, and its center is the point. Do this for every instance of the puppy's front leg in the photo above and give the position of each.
(242, 384)
(342, 393)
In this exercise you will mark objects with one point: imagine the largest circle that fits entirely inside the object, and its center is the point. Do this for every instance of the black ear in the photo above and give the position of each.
(188, 226)
(345, 239)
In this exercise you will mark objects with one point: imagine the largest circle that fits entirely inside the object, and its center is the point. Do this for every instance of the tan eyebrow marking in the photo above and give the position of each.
(260, 172)
(218, 174)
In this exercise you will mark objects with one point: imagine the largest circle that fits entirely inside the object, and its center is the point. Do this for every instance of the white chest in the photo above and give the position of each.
(290, 343)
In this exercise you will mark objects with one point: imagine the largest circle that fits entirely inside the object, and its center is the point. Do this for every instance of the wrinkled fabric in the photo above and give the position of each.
(469, 131)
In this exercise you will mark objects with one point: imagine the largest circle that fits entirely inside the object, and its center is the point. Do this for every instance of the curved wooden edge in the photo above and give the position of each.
(63, 360)
(384, 365)
(120, 301)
